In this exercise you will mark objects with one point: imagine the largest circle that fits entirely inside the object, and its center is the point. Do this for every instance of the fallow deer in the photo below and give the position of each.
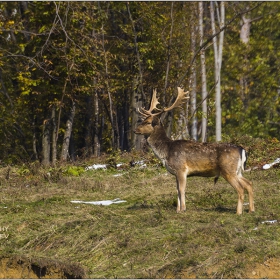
(184, 158)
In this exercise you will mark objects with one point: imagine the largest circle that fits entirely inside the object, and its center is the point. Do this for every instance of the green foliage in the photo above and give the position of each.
(53, 54)
(23, 170)
(253, 106)
(74, 171)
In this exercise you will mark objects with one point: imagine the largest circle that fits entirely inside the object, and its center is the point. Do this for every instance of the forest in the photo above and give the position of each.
(72, 74)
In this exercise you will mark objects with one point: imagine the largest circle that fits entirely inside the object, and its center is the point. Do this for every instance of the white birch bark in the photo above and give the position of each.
(218, 52)
(203, 76)
(193, 85)
(67, 134)
(136, 102)
(245, 30)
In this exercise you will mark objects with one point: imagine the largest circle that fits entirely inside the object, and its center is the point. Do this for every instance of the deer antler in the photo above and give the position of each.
(181, 98)
(153, 106)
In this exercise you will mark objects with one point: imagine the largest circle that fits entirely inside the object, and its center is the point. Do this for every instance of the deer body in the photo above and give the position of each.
(184, 158)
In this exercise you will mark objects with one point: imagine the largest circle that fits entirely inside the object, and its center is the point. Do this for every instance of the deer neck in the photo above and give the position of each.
(159, 141)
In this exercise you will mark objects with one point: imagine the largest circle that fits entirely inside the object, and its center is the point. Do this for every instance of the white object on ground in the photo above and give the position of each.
(102, 202)
(117, 175)
(269, 222)
(96, 166)
(141, 163)
(268, 165)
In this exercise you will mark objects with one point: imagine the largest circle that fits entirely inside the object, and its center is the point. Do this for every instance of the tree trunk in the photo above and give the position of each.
(54, 140)
(169, 119)
(193, 84)
(34, 139)
(122, 117)
(244, 37)
(89, 126)
(67, 134)
(138, 93)
(245, 30)
(96, 142)
(218, 51)
(46, 145)
(169, 46)
(126, 145)
(136, 50)
(183, 131)
(203, 77)
(136, 102)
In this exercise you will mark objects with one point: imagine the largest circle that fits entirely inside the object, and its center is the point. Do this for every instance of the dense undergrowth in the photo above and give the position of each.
(143, 237)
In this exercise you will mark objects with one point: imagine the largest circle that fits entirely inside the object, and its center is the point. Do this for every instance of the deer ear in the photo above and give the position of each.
(155, 121)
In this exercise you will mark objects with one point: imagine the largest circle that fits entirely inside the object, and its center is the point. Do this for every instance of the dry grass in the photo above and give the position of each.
(144, 237)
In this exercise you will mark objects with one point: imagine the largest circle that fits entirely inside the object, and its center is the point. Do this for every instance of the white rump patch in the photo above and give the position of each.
(241, 163)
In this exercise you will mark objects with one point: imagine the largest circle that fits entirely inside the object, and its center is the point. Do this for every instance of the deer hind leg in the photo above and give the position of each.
(248, 186)
(181, 179)
(236, 183)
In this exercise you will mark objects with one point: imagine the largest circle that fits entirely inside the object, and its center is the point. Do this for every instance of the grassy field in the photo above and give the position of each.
(143, 237)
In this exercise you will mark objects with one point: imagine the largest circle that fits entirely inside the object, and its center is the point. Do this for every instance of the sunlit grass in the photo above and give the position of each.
(144, 237)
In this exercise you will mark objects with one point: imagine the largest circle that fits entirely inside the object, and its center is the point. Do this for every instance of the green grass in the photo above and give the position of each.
(144, 237)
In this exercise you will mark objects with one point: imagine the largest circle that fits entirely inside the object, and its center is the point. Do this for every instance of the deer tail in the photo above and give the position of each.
(242, 161)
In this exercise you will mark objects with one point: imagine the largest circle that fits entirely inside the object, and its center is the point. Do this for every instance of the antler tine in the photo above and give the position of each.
(181, 98)
(154, 102)
(153, 106)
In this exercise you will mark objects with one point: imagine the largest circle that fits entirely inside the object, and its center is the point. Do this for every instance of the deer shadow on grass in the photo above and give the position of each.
(140, 205)
(223, 209)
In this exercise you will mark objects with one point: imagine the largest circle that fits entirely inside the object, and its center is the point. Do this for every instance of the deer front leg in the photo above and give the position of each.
(181, 179)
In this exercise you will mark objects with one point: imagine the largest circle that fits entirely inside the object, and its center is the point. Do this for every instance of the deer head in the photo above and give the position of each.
(151, 119)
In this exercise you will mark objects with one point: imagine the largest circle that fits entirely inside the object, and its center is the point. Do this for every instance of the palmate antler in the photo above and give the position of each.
(181, 98)
(153, 106)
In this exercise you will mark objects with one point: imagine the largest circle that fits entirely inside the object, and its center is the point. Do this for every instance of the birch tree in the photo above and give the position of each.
(137, 92)
(246, 22)
(193, 82)
(67, 133)
(218, 41)
(203, 75)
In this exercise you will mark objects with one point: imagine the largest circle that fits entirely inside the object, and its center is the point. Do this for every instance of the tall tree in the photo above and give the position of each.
(193, 78)
(218, 41)
(67, 133)
(203, 74)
